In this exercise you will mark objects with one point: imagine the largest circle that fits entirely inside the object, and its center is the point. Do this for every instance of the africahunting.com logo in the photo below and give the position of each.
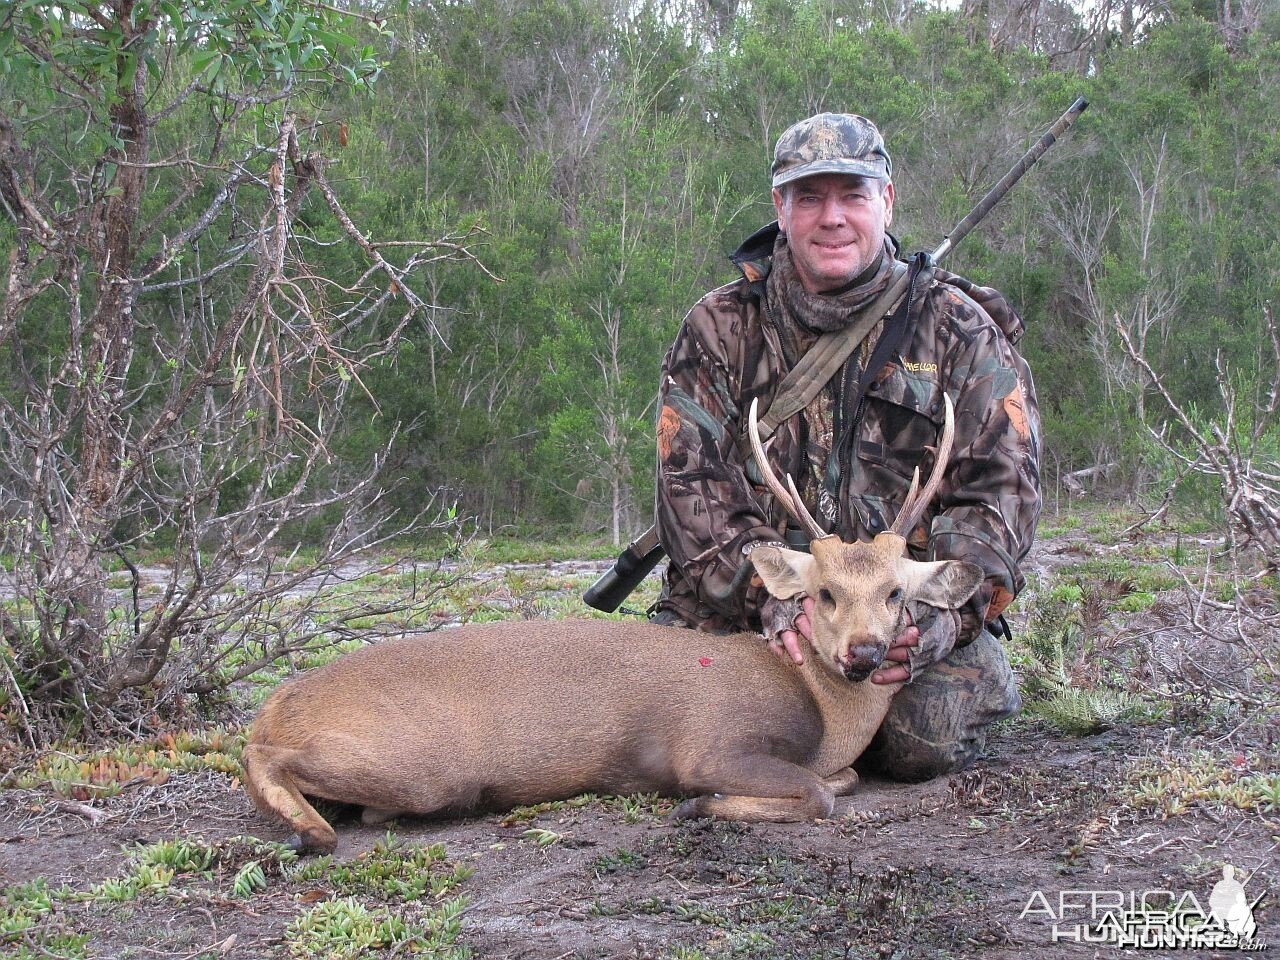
(1152, 919)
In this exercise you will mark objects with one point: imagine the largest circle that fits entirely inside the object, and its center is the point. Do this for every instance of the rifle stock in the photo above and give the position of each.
(632, 566)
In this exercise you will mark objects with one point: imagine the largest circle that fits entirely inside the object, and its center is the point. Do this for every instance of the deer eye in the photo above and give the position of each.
(825, 596)
(895, 594)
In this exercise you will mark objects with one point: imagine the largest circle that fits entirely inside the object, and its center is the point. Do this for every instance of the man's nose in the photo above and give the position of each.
(832, 213)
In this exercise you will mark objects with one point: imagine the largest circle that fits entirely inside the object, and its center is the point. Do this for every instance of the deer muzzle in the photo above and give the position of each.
(861, 659)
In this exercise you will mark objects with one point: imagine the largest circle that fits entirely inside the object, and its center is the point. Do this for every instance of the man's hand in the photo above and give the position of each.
(913, 650)
(789, 644)
(898, 658)
(917, 648)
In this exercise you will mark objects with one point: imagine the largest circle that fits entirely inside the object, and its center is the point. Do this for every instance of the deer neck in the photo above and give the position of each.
(851, 714)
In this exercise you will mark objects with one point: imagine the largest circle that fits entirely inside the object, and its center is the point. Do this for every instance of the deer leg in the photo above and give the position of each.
(843, 782)
(341, 769)
(373, 816)
(759, 789)
(272, 787)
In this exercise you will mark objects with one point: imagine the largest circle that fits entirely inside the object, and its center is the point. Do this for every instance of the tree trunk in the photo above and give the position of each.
(87, 530)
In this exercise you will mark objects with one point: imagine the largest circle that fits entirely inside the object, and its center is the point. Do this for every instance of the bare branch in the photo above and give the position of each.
(1250, 494)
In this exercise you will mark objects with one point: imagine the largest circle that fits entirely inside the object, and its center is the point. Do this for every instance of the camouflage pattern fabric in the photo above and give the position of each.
(728, 352)
(831, 143)
(938, 723)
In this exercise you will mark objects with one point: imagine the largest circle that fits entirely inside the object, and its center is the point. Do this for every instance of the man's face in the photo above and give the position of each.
(835, 226)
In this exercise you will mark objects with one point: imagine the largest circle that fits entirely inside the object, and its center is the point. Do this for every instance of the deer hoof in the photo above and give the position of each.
(690, 809)
(310, 842)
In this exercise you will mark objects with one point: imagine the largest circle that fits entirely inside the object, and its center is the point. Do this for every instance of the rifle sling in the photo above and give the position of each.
(920, 275)
(828, 354)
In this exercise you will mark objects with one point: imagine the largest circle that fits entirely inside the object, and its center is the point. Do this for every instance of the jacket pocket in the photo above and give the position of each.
(901, 425)
(914, 386)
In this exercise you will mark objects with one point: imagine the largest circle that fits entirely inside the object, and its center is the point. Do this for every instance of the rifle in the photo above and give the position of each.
(643, 553)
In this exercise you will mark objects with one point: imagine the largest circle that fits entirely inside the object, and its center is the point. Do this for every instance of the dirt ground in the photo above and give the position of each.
(1002, 861)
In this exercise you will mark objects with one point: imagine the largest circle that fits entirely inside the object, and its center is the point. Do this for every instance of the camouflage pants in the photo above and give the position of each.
(938, 723)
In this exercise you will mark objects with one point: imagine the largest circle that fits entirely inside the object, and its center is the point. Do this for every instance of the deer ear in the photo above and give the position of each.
(946, 583)
(786, 573)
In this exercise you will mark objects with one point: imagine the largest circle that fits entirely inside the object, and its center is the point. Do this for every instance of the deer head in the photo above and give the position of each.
(861, 590)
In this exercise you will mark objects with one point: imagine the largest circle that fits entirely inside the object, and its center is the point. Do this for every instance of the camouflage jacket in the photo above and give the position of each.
(728, 352)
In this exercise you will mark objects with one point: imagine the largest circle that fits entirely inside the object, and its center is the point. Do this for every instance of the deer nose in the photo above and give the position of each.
(861, 659)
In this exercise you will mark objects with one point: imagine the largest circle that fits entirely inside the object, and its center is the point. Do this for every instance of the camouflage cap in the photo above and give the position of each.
(831, 143)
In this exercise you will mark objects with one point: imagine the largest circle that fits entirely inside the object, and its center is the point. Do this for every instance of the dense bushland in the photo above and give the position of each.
(280, 272)
(615, 155)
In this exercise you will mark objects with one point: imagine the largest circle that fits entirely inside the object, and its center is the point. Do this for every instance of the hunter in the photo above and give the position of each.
(821, 267)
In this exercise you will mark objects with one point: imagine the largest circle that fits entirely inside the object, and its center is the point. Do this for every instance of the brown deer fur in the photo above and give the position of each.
(490, 716)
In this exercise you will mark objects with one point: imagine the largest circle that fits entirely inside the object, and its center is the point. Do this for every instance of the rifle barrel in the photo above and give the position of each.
(1009, 179)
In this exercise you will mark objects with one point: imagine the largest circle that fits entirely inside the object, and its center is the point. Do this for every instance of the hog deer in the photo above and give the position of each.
(491, 716)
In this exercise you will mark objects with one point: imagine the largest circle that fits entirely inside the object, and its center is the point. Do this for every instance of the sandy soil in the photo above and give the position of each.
(971, 865)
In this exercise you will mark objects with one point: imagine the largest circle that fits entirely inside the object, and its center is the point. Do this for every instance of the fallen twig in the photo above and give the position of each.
(92, 814)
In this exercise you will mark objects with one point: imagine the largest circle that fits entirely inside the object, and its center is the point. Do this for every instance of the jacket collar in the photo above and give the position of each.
(755, 257)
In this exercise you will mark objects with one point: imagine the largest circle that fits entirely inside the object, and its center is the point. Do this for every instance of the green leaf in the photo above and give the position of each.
(128, 70)
(333, 40)
(202, 59)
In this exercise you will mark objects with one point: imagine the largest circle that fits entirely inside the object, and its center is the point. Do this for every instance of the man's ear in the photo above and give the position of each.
(945, 583)
(780, 208)
(786, 573)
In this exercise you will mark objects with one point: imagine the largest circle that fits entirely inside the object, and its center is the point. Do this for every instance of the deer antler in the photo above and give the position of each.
(918, 499)
(790, 500)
